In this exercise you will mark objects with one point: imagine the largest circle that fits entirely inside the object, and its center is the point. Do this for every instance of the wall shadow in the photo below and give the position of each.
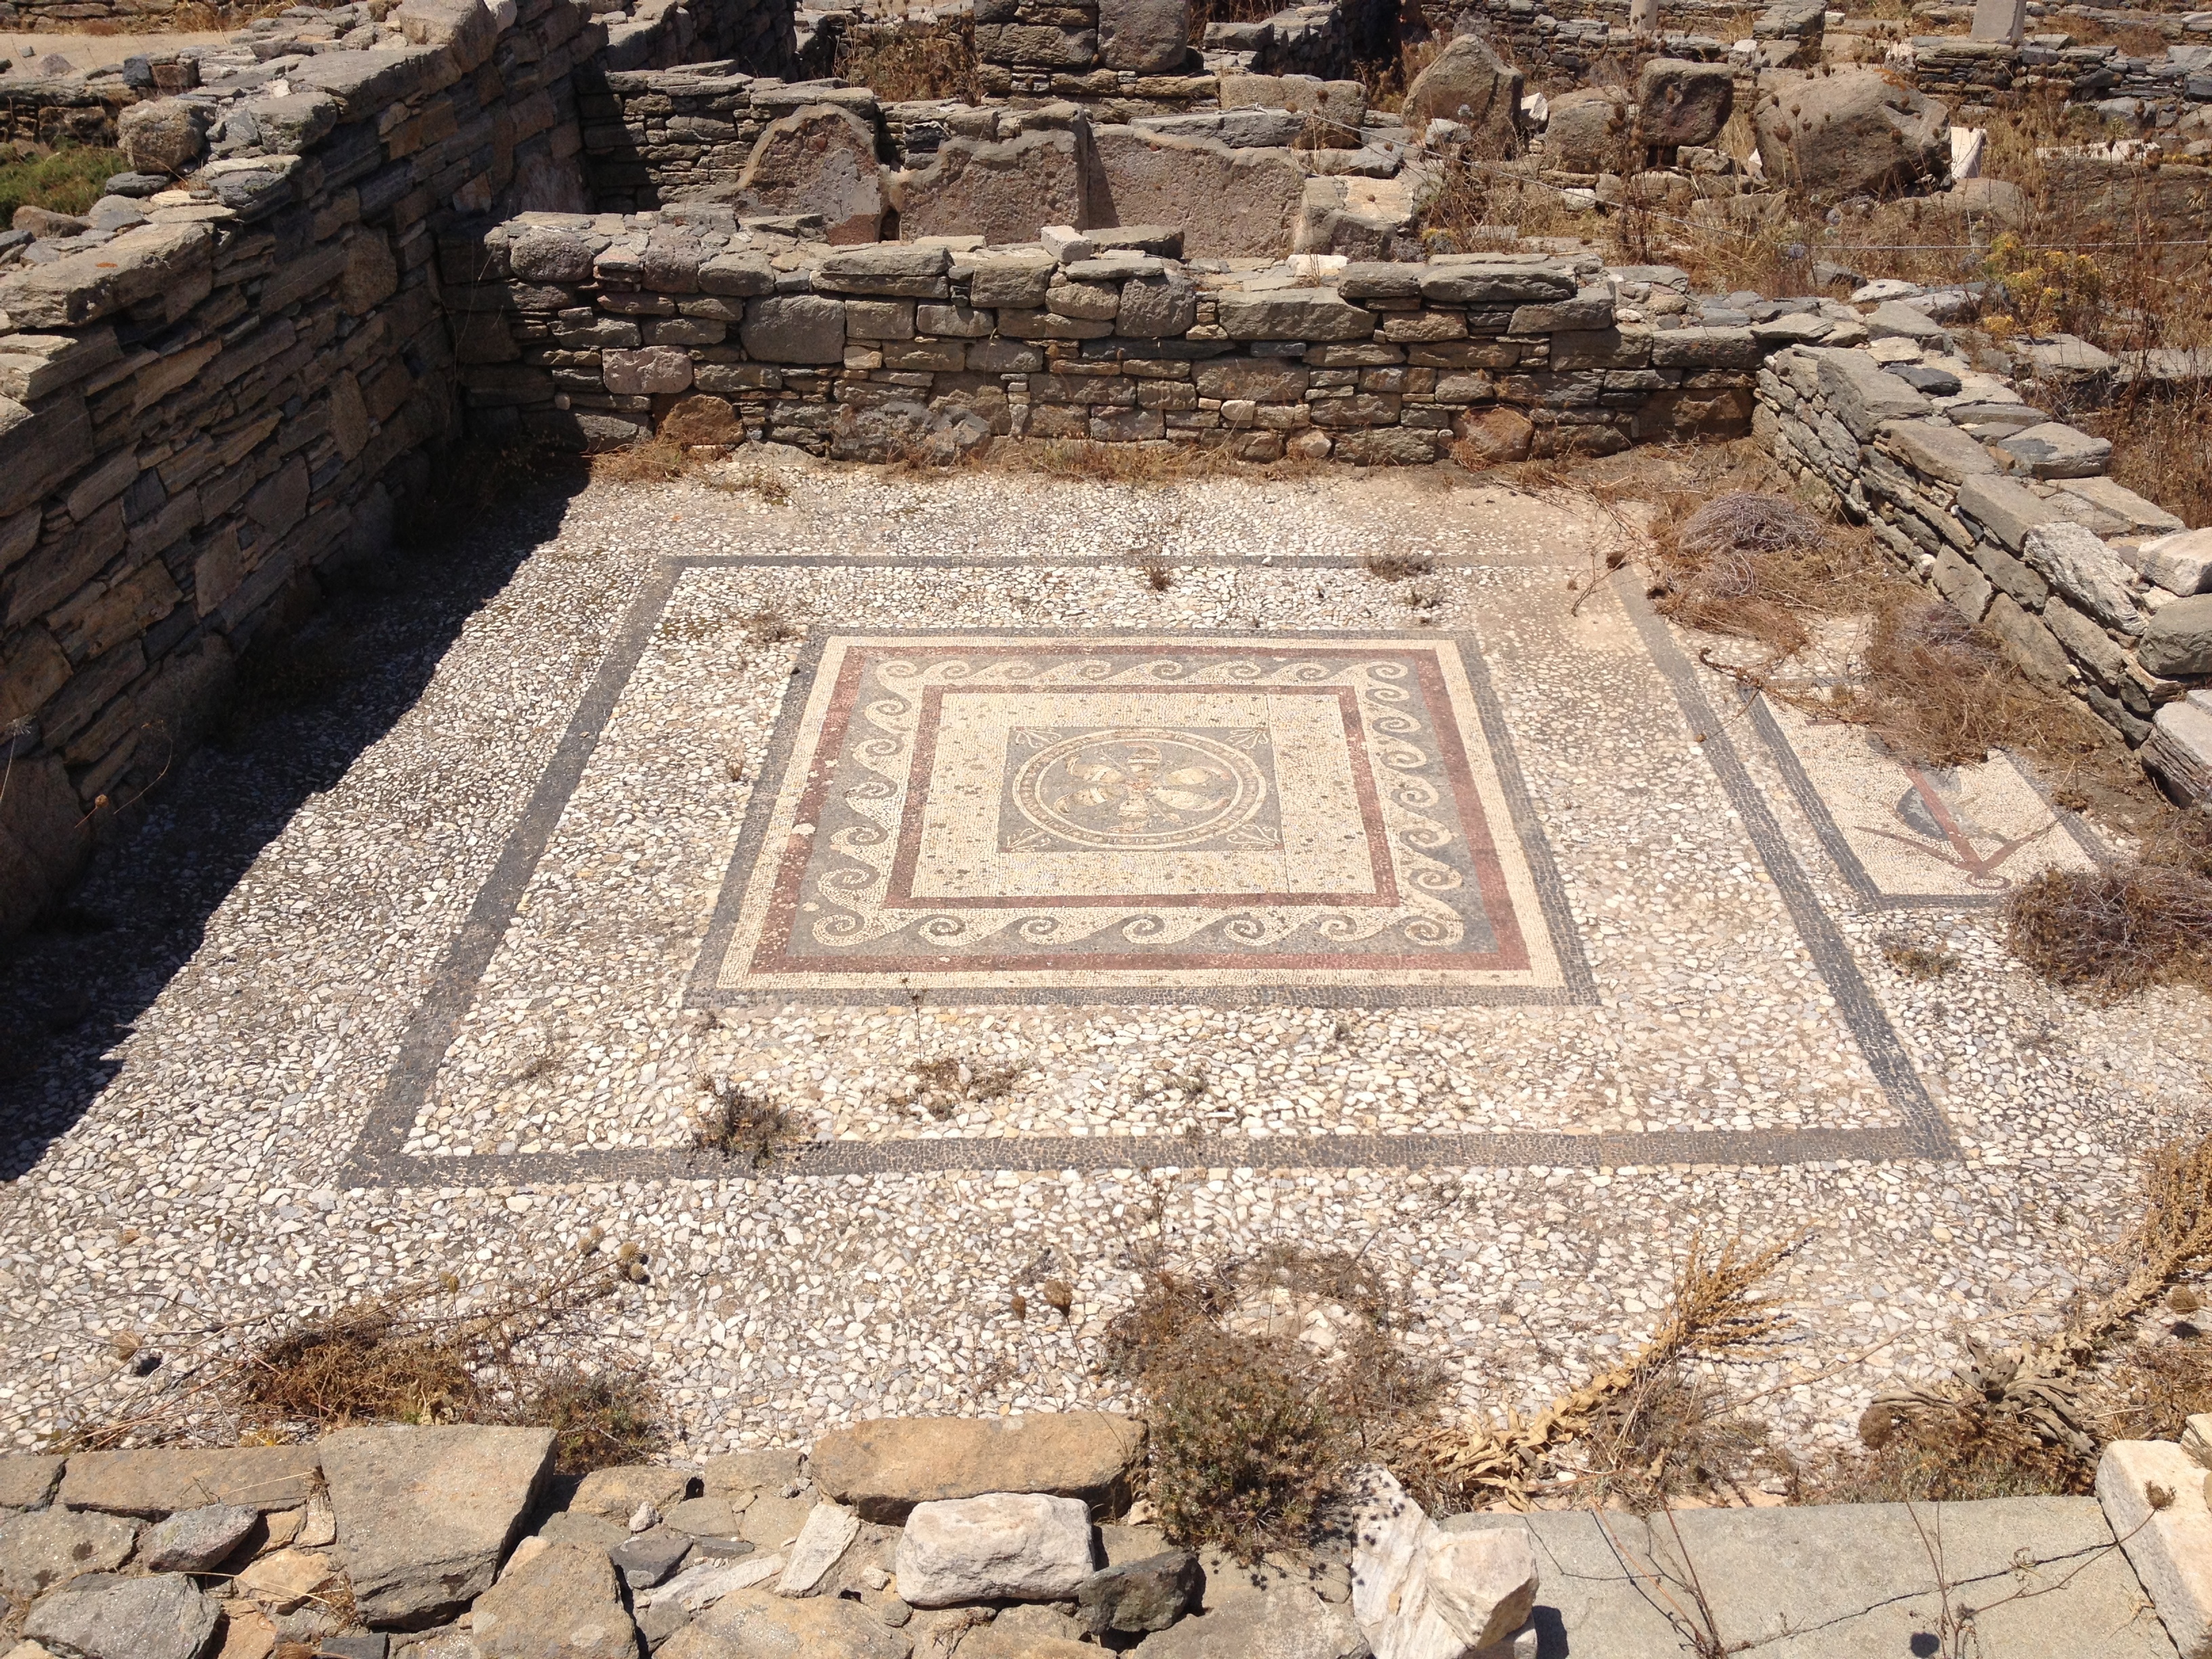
(73, 986)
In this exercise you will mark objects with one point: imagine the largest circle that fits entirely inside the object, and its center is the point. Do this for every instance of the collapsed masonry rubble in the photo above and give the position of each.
(1011, 1537)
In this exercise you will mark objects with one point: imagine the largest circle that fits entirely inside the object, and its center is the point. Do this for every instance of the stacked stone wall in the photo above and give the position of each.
(226, 395)
(1573, 43)
(684, 328)
(2009, 516)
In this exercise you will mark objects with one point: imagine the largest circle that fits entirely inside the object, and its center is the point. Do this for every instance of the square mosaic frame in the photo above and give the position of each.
(891, 767)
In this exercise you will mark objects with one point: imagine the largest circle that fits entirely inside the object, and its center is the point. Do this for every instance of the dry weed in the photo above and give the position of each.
(2036, 1415)
(1752, 563)
(1263, 1383)
(657, 461)
(1715, 1314)
(2115, 929)
(406, 1356)
(1397, 567)
(1672, 1435)
(741, 1127)
(914, 61)
(770, 486)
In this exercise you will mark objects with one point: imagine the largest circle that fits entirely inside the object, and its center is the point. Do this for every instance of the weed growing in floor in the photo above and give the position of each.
(1918, 961)
(1715, 1314)
(2034, 1418)
(1671, 1435)
(769, 626)
(942, 1086)
(1397, 567)
(1753, 564)
(600, 1419)
(1254, 1423)
(2124, 925)
(1155, 574)
(742, 1127)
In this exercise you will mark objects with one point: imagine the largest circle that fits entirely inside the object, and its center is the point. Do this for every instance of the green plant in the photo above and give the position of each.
(67, 180)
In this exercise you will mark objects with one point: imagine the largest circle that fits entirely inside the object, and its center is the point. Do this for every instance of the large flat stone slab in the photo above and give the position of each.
(425, 1516)
(884, 1468)
(156, 1483)
(1847, 1580)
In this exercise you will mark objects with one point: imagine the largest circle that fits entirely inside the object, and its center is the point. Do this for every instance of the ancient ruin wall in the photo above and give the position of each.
(200, 414)
(607, 334)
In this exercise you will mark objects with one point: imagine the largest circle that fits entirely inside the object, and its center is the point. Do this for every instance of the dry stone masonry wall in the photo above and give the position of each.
(595, 331)
(214, 393)
(2009, 515)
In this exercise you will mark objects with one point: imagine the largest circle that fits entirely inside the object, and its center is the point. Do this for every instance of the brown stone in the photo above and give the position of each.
(1232, 203)
(819, 159)
(882, 1467)
(702, 419)
(1492, 437)
(1003, 192)
(1471, 84)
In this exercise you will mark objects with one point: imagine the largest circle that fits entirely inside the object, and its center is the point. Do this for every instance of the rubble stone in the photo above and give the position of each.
(1015, 1546)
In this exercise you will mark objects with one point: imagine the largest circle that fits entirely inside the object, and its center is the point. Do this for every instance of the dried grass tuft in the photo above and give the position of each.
(911, 61)
(1749, 564)
(2033, 1418)
(1252, 1429)
(742, 1127)
(1715, 1314)
(656, 460)
(2118, 929)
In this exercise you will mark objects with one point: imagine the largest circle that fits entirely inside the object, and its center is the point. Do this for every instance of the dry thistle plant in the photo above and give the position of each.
(1714, 1314)
(1264, 1383)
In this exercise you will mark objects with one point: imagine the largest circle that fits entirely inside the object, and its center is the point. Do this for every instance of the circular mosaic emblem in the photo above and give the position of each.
(1136, 787)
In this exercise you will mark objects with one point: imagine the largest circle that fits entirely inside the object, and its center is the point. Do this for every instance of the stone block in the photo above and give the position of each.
(1156, 307)
(562, 1601)
(1860, 395)
(2153, 1496)
(829, 1532)
(2028, 643)
(165, 1616)
(1493, 285)
(1232, 202)
(1967, 588)
(2085, 641)
(1002, 190)
(1292, 314)
(462, 27)
(1148, 1594)
(1591, 308)
(2078, 564)
(2179, 563)
(757, 1621)
(882, 1467)
(1469, 84)
(1934, 450)
(1002, 1545)
(819, 159)
(1679, 101)
(887, 270)
(2177, 640)
(26, 1478)
(2123, 503)
(1706, 348)
(2010, 575)
(1151, 36)
(2180, 753)
(615, 1494)
(2052, 450)
(795, 328)
(2004, 507)
(156, 1483)
(1017, 280)
(425, 1515)
(197, 1540)
(41, 1548)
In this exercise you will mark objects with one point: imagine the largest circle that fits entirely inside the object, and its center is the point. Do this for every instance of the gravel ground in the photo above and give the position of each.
(213, 1021)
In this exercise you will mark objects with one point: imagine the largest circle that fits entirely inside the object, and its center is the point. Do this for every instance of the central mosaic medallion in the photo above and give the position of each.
(1124, 787)
(1002, 816)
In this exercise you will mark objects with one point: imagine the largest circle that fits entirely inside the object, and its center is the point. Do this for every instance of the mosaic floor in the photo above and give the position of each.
(1084, 873)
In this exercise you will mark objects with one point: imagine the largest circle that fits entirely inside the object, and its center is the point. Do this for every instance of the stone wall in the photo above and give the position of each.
(1960, 68)
(216, 393)
(592, 333)
(1576, 42)
(2009, 516)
